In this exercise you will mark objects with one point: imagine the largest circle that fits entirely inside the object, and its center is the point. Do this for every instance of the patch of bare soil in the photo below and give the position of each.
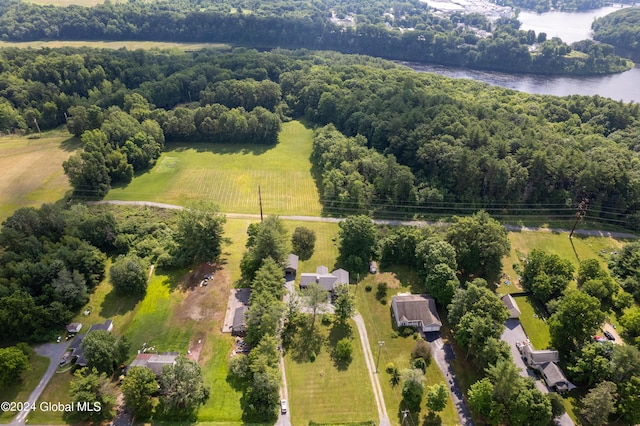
(195, 348)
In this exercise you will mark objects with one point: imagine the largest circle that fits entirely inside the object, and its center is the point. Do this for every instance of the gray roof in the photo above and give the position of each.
(553, 375)
(74, 327)
(416, 307)
(540, 357)
(512, 306)
(108, 325)
(307, 278)
(326, 280)
(76, 344)
(239, 319)
(322, 270)
(343, 276)
(155, 362)
(292, 263)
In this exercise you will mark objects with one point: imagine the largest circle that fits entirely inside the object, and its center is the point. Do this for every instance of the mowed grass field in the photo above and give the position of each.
(229, 175)
(19, 392)
(32, 171)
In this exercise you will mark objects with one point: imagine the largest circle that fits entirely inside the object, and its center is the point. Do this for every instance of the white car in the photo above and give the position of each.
(283, 406)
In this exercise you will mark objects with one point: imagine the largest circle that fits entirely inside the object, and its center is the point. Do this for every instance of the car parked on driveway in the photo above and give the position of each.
(283, 406)
(610, 336)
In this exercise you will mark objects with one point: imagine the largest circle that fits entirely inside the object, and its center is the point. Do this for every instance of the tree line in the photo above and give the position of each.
(406, 31)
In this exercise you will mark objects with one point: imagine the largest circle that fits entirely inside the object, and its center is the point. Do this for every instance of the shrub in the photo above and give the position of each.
(419, 364)
(368, 288)
(406, 331)
(421, 350)
(326, 319)
(390, 367)
(394, 334)
(344, 349)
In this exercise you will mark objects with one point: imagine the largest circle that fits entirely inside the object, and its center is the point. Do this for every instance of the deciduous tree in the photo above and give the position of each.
(199, 233)
(437, 397)
(92, 388)
(128, 274)
(303, 242)
(183, 389)
(138, 387)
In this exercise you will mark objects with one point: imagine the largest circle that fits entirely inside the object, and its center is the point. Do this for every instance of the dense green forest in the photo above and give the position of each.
(392, 30)
(398, 141)
(620, 28)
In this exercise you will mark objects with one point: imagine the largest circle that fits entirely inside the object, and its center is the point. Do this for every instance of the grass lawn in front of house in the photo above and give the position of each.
(536, 328)
(323, 390)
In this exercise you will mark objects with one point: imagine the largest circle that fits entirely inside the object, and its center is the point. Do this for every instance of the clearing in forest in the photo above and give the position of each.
(32, 171)
(229, 175)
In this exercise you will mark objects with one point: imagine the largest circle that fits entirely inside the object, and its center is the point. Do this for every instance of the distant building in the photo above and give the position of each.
(416, 310)
(327, 281)
(74, 327)
(512, 306)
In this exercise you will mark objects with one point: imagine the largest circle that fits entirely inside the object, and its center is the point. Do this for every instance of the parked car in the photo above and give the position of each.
(373, 267)
(610, 336)
(283, 406)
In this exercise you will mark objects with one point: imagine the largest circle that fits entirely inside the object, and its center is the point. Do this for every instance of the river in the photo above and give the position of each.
(570, 27)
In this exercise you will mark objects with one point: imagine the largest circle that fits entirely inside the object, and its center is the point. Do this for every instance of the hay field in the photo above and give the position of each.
(130, 45)
(32, 171)
(230, 175)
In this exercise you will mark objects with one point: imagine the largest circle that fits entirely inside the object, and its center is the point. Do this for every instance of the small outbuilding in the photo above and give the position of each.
(74, 327)
(291, 268)
(239, 327)
(512, 306)
(416, 310)
(154, 362)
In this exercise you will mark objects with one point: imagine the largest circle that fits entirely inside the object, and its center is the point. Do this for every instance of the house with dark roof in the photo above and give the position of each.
(415, 310)
(239, 326)
(512, 306)
(291, 268)
(327, 281)
(76, 344)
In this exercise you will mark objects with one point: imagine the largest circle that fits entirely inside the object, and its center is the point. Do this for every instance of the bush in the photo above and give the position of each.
(421, 350)
(419, 364)
(406, 331)
(381, 292)
(390, 368)
(326, 319)
(344, 349)
(368, 288)
(394, 334)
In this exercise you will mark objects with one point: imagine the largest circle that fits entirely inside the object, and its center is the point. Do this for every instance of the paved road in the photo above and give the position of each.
(53, 351)
(375, 383)
(418, 223)
(513, 332)
(443, 354)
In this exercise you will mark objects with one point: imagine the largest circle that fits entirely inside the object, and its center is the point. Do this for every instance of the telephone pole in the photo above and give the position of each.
(260, 198)
(582, 211)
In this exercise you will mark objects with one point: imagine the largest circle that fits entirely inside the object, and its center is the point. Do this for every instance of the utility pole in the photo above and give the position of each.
(260, 198)
(380, 343)
(404, 416)
(36, 123)
(582, 211)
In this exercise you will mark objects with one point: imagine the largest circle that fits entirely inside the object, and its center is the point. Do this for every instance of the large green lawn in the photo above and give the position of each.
(322, 391)
(396, 350)
(229, 175)
(32, 171)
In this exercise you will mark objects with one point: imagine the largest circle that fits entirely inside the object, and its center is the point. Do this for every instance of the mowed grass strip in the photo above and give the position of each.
(396, 350)
(536, 328)
(319, 391)
(130, 45)
(229, 175)
(32, 171)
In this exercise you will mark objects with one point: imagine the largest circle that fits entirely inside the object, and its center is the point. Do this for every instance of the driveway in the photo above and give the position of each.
(443, 354)
(513, 332)
(53, 351)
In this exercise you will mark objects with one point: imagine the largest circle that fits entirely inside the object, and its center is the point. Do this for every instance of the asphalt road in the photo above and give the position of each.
(53, 351)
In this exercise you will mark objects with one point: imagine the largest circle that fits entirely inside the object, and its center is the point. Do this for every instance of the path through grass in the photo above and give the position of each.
(229, 175)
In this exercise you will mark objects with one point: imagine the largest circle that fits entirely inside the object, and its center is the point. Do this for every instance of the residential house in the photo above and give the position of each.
(239, 327)
(415, 310)
(327, 281)
(512, 306)
(545, 361)
(76, 344)
(154, 362)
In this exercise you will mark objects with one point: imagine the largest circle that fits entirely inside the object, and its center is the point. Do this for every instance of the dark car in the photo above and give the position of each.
(609, 336)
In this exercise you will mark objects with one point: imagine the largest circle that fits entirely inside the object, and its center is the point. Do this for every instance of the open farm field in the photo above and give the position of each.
(379, 323)
(32, 171)
(130, 45)
(229, 175)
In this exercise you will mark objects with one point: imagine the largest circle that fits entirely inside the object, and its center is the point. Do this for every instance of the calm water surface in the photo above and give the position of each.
(570, 27)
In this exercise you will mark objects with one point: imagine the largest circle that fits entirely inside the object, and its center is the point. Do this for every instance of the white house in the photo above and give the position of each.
(512, 306)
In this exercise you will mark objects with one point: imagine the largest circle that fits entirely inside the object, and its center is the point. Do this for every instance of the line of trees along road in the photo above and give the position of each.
(406, 31)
